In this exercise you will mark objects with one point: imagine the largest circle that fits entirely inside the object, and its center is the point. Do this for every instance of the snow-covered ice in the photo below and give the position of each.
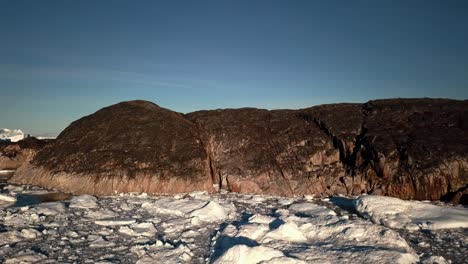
(309, 233)
(412, 215)
(6, 200)
(84, 202)
(248, 255)
(221, 228)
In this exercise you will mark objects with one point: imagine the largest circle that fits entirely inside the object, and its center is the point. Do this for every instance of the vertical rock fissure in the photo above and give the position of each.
(213, 174)
(273, 152)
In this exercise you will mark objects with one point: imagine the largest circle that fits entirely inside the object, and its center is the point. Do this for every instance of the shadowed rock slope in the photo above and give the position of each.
(15, 154)
(408, 148)
(131, 146)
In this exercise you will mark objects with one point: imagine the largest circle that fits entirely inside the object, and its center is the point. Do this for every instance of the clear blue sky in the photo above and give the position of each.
(60, 60)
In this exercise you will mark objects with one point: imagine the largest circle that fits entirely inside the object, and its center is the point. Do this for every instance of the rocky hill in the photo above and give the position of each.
(133, 146)
(408, 148)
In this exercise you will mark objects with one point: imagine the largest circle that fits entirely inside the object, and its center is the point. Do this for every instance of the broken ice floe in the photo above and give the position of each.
(203, 228)
(412, 215)
(305, 233)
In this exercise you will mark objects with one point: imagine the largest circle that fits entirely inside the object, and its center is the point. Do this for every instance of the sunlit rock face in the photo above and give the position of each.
(131, 146)
(275, 152)
(408, 148)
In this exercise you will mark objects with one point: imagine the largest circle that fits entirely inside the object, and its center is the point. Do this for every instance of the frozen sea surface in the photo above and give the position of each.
(224, 228)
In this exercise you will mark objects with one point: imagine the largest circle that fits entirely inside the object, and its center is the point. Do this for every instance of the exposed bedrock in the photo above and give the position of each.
(408, 148)
(273, 152)
(133, 146)
(15, 154)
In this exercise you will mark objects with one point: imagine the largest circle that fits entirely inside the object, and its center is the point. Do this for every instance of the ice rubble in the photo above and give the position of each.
(411, 215)
(197, 228)
(83, 202)
(307, 232)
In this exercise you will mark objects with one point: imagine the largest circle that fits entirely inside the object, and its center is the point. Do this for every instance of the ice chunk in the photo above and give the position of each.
(83, 201)
(261, 219)
(52, 208)
(28, 256)
(336, 254)
(29, 233)
(434, 260)
(310, 209)
(101, 243)
(101, 214)
(283, 260)
(253, 231)
(211, 212)
(167, 254)
(10, 237)
(170, 206)
(114, 222)
(396, 213)
(6, 200)
(141, 229)
(248, 255)
(287, 232)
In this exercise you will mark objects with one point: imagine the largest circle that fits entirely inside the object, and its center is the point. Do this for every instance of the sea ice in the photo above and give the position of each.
(27, 256)
(248, 255)
(412, 215)
(141, 229)
(84, 202)
(6, 200)
(114, 222)
(316, 234)
(171, 206)
(211, 212)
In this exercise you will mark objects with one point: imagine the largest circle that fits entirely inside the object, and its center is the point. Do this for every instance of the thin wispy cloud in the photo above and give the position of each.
(17, 72)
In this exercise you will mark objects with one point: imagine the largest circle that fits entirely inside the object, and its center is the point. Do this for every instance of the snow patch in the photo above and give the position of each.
(211, 212)
(412, 215)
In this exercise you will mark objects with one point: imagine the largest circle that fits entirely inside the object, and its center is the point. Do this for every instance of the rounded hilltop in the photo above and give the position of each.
(129, 146)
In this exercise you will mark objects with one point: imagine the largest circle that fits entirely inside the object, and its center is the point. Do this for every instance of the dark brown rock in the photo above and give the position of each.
(408, 148)
(417, 148)
(274, 152)
(13, 155)
(130, 146)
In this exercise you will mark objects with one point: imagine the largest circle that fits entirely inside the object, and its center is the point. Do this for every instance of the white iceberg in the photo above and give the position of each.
(11, 135)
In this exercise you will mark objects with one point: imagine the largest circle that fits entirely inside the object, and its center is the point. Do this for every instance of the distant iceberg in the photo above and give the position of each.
(11, 135)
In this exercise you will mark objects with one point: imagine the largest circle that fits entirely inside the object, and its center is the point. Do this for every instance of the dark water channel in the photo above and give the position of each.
(26, 199)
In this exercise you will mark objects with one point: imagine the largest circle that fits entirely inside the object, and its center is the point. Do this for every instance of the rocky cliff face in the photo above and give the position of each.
(13, 155)
(408, 148)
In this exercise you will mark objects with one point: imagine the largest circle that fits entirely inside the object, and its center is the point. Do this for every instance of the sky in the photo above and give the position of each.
(61, 60)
